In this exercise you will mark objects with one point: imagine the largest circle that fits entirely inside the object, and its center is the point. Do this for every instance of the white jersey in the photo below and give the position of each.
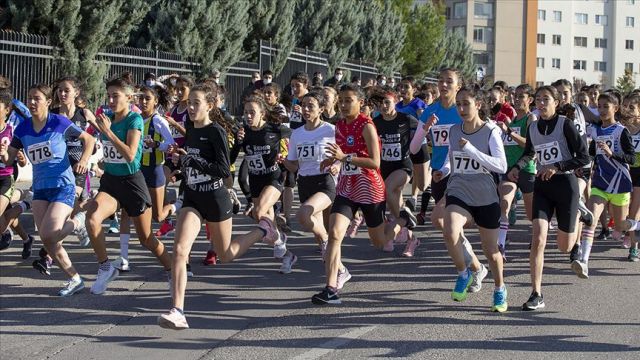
(308, 148)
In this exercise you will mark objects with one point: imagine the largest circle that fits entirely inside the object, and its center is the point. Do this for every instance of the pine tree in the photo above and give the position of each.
(625, 83)
(425, 30)
(457, 54)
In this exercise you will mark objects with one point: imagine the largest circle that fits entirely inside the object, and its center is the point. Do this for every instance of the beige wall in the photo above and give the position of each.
(510, 37)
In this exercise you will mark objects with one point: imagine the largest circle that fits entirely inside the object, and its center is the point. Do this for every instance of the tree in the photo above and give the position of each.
(272, 20)
(625, 83)
(457, 54)
(425, 29)
(79, 29)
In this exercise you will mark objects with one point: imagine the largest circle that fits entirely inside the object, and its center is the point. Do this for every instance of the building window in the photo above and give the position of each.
(483, 35)
(580, 64)
(540, 63)
(447, 13)
(628, 44)
(582, 18)
(601, 43)
(556, 39)
(601, 20)
(557, 16)
(630, 21)
(580, 41)
(628, 67)
(481, 58)
(541, 39)
(542, 15)
(631, 2)
(483, 10)
(599, 66)
(460, 10)
(555, 63)
(460, 30)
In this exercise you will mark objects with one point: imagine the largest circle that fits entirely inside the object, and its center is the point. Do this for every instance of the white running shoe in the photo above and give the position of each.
(343, 277)
(81, 232)
(121, 264)
(287, 263)
(280, 247)
(478, 276)
(174, 320)
(103, 279)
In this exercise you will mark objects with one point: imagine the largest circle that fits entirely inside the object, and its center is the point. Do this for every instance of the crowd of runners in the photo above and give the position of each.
(570, 157)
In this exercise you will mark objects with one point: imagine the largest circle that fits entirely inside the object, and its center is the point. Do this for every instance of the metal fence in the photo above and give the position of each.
(27, 59)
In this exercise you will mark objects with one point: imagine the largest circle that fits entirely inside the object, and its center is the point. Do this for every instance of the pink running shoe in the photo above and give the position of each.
(403, 236)
(388, 247)
(211, 258)
(411, 246)
(272, 234)
(352, 231)
(166, 227)
(626, 241)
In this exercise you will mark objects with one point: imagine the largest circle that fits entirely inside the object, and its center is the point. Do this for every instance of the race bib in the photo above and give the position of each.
(392, 152)
(607, 139)
(350, 168)
(441, 134)
(464, 164)
(111, 154)
(255, 163)
(635, 140)
(308, 151)
(77, 143)
(580, 126)
(548, 153)
(40, 152)
(194, 176)
(508, 140)
(175, 133)
(295, 117)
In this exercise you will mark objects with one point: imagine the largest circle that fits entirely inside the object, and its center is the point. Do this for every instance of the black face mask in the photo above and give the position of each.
(422, 97)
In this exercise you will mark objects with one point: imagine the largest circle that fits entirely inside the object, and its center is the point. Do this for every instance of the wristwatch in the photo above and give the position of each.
(348, 158)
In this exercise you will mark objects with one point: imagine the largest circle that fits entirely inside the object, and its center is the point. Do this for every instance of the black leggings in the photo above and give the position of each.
(243, 180)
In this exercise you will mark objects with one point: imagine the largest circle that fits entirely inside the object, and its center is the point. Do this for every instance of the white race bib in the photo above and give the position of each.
(464, 164)
(111, 154)
(255, 163)
(548, 153)
(175, 133)
(441, 134)
(635, 140)
(295, 117)
(392, 152)
(308, 151)
(350, 168)
(40, 152)
(607, 139)
(508, 140)
(194, 176)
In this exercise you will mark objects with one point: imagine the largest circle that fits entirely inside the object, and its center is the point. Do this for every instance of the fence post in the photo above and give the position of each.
(306, 59)
(260, 55)
(157, 60)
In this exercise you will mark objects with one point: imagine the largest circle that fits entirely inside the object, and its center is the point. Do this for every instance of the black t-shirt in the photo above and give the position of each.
(74, 145)
(395, 136)
(207, 159)
(262, 147)
(331, 120)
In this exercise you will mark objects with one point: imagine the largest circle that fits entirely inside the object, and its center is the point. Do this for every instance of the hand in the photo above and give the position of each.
(81, 167)
(4, 148)
(334, 152)
(604, 148)
(280, 158)
(149, 142)
(327, 163)
(513, 175)
(177, 155)
(433, 119)
(297, 108)
(578, 172)
(240, 134)
(104, 123)
(334, 169)
(173, 148)
(547, 173)
(437, 176)
(503, 127)
(462, 142)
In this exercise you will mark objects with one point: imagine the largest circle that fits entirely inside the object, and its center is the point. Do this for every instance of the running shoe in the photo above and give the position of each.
(478, 276)
(235, 201)
(388, 246)
(604, 234)
(633, 255)
(5, 240)
(352, 231)
(81, 232)
(410, 203)
(463, 283)
(174, 320)
(513, 216)
(283, 224)
(43, 265)
(421, 218)
(403, 236)
(586, 216)
(280, 247)
(103, 279)
(326, 297)
(166, 227)
(411, 219)
(518, 195)
(121, 264)
(343, 276)
(71, 287)
(189, 271)
(210, 259)
(535, 302)
(626, 241)
(581, 269)
(611, 224)
(575, 253)
(503, 252)
(500, 300)
(248, 209)
(411, 246)
(271, 231)
(114, 226)
(287, 262)
(27, 248)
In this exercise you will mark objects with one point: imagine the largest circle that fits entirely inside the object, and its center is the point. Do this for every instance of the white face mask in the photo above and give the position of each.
(339, 77)
(150, 83)
(266, 81)
(383, 82)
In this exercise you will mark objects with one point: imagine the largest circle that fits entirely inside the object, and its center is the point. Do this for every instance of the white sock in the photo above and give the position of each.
(585, 248)
(75, 277)
(463, 273)
(634, 225)
(502, 233)
(177, 206)
(124, 245)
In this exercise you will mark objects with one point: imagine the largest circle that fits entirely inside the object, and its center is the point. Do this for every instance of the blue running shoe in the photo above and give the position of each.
(500, 300)
(462, 284)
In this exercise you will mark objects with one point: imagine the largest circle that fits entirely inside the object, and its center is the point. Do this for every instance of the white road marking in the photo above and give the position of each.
(331, 345)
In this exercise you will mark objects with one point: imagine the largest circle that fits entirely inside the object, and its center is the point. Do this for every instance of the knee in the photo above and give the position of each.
(304, 217)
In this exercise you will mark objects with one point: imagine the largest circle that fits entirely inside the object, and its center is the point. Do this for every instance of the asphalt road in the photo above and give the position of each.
(392, 307)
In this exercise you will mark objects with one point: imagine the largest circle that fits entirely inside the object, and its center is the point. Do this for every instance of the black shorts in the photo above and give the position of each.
(559, 195)
(635, 176)
(289, 178)
(257, 183)
(422, 156)
(486, 216)
(438, 188)
(129, 190)
(388, 167)
(525, 181)
(213, 206)
(7, 186)
(373, 213)
(311, 185)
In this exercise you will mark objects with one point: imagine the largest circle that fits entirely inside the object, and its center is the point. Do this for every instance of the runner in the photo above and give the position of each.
(559, 149)
(631, 105)
(43, 138)
(122, 183)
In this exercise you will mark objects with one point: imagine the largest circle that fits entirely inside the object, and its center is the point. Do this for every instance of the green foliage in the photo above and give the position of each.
(425, 29)
(625, 83)
(457, 54)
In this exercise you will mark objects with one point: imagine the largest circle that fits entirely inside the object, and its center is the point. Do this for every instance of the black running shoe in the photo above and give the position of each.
(604, 234)
(586, 216)
(43, 266)
(411, 204)
(325, 297)
(535, 302)
(575, 253)
(5, 240)
(26, 248)
(411, 219)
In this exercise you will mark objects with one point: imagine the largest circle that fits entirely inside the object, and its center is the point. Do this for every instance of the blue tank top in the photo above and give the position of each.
(439, 133)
